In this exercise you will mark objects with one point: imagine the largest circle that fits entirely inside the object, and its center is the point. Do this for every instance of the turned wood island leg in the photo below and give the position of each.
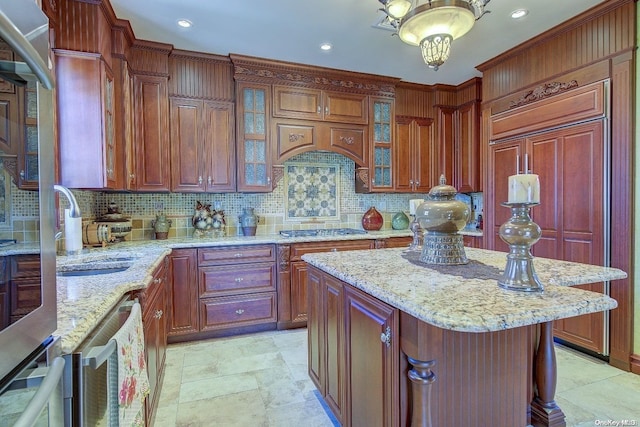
(544, 410)
(422, 378)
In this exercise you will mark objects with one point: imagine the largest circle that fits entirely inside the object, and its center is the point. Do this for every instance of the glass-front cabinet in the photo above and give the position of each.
(28, 161)
(382, 144)
(254, 152)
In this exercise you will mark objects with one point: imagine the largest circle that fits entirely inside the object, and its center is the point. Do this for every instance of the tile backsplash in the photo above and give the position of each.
(270, 207)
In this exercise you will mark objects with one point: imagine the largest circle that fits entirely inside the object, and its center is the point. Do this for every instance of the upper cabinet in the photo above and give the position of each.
(381, 164)
(415, 155)
(313, 104)
(253, 143)
(202, 123)
(85, 91)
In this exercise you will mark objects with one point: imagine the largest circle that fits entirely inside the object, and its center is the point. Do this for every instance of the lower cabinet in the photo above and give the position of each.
(472, 241)
(154, 320)
(353, 352)
(24, 286)
(292, 277)
(222, 290)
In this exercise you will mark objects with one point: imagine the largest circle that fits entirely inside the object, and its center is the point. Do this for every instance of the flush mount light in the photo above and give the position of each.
(184, 23)
(326, 46)
(433, 24)
(519, 13)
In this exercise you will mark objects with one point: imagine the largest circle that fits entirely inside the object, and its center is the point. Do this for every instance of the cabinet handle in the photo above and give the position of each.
(385, 337)
(209, 180)
(22, 174)
(158, 314)
(326, 110)
(238, 255)
(132, 177)
(417, 184)
(199, 180)
(334, 250)
(239, 311)
(157, 280)
(319, 109)
(411, 182)
(238, 279)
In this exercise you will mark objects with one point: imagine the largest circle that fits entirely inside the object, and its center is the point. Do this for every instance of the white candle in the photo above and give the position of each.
(524, 188)
(413, 205)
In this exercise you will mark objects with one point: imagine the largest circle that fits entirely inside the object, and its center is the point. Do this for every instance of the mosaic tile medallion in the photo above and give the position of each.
(311, 191)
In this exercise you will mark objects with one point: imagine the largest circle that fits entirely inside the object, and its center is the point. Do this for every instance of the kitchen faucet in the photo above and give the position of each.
(72, 222)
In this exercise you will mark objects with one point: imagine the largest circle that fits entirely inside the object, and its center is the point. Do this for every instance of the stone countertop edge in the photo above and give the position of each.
(469, 304)
(83, 301)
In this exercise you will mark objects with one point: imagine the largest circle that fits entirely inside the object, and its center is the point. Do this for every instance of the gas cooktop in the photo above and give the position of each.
(321, 232)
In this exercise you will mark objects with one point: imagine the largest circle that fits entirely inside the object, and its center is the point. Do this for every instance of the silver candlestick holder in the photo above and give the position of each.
(520, 233)
(416, 243)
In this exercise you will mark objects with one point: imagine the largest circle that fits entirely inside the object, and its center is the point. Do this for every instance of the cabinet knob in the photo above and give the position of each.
(411, 182)
(385, 337)
(200, 180)
(239, 311)
(326, 110)
(209, 180)
(238, 255)
(319, 109)
(22, 174)
(417, 183)
(238, 279)
(157, 280)
(334, 250)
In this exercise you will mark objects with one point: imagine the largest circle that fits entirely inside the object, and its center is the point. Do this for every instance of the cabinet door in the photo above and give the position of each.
(350, 141)
(447, 149)
(334, 351)
(381, 165)
(151, 337)
(467, 177)
(345, 107)
(403, 156)
(28, 148)
(219, 142)
(187, 147)
(372, 361)
(152, 133)
(253, 145)
(424, 155)
(503, 161)
(183, 295)
(315, 330)
(297, 103)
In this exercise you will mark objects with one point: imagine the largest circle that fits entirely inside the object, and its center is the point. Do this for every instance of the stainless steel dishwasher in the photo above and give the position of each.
(86, 381)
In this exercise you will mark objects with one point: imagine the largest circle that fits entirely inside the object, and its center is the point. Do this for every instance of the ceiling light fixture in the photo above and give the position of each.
(519, 13)
(185, 23)
(433, 24)
(326, 46)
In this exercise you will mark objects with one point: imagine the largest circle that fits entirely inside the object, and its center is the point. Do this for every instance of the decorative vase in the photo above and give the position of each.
(372, 220)
(161, 226)
(248, 220)
(400, 221)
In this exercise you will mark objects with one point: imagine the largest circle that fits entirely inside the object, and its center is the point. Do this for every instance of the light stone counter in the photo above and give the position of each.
(83, 301)
(468, 298)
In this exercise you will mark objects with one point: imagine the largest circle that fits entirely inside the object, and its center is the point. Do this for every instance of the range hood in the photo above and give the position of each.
(25, 28)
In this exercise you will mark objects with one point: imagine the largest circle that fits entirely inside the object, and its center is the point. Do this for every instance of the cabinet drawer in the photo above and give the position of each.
(25, 266)
(231, 312)
(236, 254)
(229, 280)
(300, 249)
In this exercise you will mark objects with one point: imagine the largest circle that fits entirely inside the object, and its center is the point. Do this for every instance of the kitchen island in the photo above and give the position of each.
(469, 352)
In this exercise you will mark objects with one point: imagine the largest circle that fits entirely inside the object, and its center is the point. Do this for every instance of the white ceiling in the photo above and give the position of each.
(292, 30)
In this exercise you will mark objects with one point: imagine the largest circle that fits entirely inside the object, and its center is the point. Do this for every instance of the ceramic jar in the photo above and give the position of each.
(442, 213)
(248, 220)
(400, 221)
(161, 226)
(372, 219)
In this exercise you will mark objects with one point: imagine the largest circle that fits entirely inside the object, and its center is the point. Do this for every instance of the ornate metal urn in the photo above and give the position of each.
(441, 217)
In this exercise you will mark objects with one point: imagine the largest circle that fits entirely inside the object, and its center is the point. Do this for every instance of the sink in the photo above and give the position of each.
(91, 272)
(92, 267)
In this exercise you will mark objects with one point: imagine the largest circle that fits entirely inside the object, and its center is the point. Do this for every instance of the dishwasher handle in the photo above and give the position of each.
(39, 400)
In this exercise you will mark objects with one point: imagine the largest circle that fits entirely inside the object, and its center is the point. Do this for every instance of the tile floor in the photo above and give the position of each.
(261, 380)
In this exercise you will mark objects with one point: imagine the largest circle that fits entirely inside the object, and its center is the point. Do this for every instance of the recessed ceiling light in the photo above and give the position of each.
(519, 13)
(326, 46)
(184, 23)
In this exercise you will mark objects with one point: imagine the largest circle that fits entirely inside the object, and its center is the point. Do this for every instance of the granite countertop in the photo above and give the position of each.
(83, 301)
(468, 298)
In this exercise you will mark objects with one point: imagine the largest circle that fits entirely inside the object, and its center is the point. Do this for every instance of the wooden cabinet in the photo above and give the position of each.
(4, 293)
(472, 241)
(253, 142)
(202, 146)
(154, 319)
(394, 242)
(183, 292)
(151, 133)
(292, 277)
(381, 164)
(25, 290)
(570, 164)
(459, 137)
(87, 143)
(237, 287)
(415, 155)
(314, 104)
(354, 347)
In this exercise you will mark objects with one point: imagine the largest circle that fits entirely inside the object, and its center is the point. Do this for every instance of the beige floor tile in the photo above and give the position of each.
(217, 386)
(236, 410)
(166, 415)
(308, 413)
